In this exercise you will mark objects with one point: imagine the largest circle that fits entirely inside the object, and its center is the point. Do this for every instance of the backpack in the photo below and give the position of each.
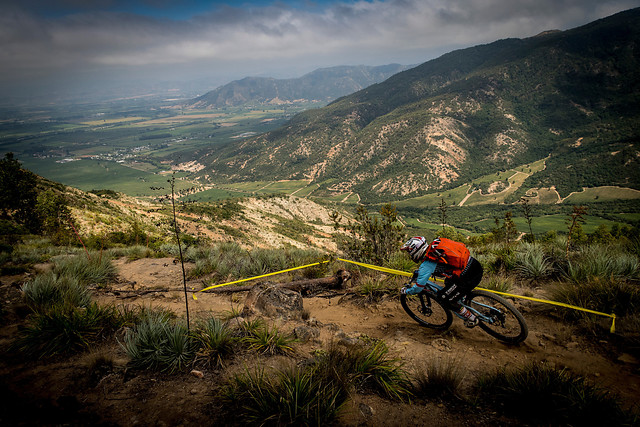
(452, 255)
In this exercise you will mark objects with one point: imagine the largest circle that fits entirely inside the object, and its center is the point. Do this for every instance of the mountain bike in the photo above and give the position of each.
(497, 316)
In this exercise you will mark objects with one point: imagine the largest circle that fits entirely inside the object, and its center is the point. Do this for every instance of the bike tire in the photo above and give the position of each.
(427, 311)
(509, 326)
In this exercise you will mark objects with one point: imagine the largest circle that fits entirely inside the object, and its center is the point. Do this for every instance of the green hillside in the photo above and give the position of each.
(572, 98)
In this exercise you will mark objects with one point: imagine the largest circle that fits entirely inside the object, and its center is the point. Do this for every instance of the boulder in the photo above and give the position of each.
(273, 301)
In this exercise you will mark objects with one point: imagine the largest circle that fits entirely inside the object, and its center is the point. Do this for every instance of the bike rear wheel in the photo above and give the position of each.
(507, 324)
(427, 311)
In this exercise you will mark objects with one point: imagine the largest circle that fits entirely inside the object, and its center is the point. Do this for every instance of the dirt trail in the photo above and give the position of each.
(66, 391)
(550, 340)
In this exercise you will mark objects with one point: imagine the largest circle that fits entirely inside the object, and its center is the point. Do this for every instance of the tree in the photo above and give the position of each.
(443, 213)
(506, 231)
(371, 238)
(54, 216)
(526, 210)
(18, 195)
(574, 223)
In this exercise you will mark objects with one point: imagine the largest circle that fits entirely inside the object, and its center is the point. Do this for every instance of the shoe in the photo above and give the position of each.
(471, 323)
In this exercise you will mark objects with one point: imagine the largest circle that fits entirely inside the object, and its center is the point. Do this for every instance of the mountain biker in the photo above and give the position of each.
(451, 260)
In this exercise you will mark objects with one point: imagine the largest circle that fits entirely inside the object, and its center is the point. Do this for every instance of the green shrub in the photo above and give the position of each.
(49, 289)
(542, 395)
(215, 340)
(157, 344)
(94, 270)
(497, 282)
(400, 261)
(604, 295)
(531, 263)
(372, 289)
(603, 262)
(63, 329)
(438, 378)
(271, 341)
(295, 396)
(367, 366)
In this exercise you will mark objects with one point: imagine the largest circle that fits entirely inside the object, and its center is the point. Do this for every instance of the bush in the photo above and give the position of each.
(438, 378)
(96, 270)
(63, 330)
(294, 396)
(601, 262)
(543, 395)
(49, 289)
(373, 289)
(604, 295)
(157, 344)
(367, 366)
(215, 340)
(265, 340)
(531, 263)
(497, 282)
(371, 238)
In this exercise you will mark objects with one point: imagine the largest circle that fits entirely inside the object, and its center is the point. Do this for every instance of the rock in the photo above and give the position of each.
(197, 374)
(627, 358)
(441, 344)
(572, 345)
(305, 333)
(273, 301)
(366, 410)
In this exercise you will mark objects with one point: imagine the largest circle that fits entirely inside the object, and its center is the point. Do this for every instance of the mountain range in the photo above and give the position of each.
(321, 86)
(570, 97)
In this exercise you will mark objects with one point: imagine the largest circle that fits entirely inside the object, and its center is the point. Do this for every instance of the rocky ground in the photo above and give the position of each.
(68, 391)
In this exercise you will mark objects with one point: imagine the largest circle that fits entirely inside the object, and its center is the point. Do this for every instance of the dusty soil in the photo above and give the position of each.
(72, 391)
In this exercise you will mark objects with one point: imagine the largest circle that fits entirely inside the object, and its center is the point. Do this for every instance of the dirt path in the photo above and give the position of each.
(551, 340)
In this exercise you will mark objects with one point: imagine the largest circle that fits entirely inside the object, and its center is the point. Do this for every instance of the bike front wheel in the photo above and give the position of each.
(427, 311)
(498, 317)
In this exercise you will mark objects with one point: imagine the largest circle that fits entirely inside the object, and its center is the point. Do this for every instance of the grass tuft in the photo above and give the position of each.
(157, 344)
(97, 270)
(438, 378)
(215, 339)
(64, 329)
(543, 395)
(49, 289)
(270, 341)
(294, 396)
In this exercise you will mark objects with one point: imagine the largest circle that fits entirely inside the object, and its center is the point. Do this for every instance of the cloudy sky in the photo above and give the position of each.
(69, 44)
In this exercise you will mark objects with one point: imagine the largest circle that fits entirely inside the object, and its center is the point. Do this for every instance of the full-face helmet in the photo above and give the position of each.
(416, 248)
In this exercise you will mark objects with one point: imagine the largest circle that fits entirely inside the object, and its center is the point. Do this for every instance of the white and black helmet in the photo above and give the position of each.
(416, 247)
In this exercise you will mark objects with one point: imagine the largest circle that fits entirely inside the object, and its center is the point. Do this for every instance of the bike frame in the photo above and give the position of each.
(432, 289)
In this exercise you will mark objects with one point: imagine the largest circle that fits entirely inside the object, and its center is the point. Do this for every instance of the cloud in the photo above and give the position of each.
(374, 32)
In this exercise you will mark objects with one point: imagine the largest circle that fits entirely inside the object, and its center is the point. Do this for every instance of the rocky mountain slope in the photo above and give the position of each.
(571, 96)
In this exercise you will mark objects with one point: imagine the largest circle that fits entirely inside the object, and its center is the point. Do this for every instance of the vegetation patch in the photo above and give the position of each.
(543, 395)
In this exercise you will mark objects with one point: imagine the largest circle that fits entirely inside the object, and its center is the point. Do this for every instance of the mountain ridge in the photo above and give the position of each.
(320, 86)
(466, 114)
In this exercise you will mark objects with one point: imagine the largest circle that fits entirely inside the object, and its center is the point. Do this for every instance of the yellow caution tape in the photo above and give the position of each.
(561, 304)
(257, 277)
(375, 267)
(404, 273)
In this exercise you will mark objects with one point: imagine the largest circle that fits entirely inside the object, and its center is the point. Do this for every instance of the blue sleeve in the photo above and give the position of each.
(425, 271)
